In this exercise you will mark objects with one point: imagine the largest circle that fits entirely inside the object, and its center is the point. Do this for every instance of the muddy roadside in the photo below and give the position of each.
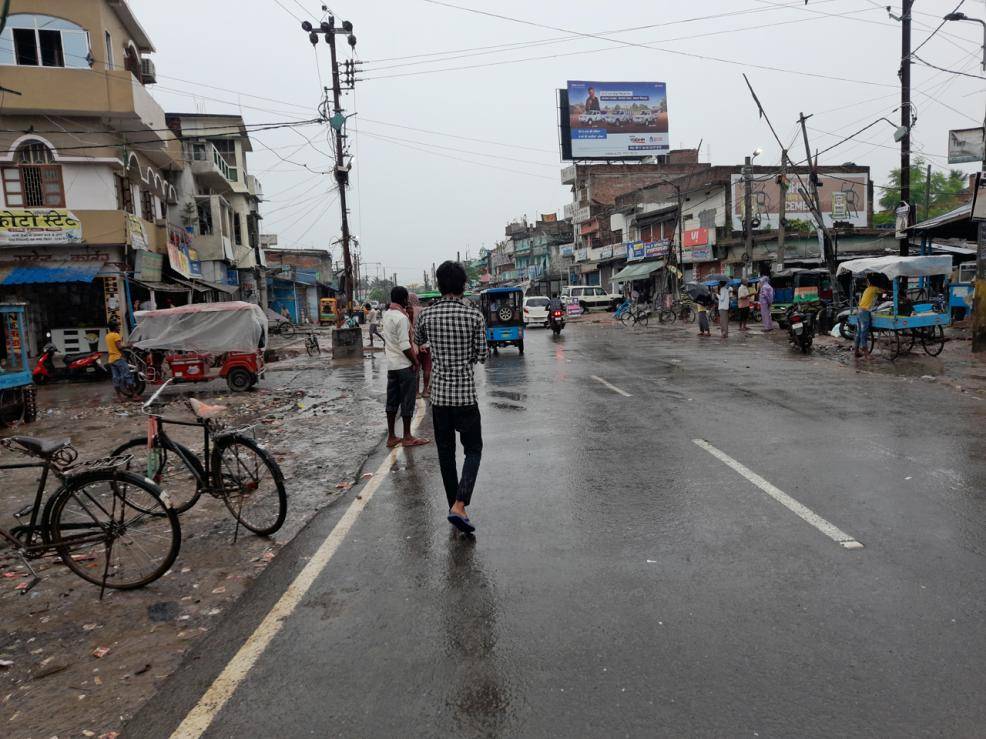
(74, 665)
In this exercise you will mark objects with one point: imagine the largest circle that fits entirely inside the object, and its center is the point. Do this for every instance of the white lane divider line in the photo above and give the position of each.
(212, 701)
(611, 386)
(798, 509)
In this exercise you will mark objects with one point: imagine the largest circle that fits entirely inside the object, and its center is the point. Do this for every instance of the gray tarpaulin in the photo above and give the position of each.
(209, 328)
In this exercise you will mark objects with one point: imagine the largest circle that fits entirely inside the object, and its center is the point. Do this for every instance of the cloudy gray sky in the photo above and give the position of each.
(486, 145)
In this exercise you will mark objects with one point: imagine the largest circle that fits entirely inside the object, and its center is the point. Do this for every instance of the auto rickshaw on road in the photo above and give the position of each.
(327, 311)
(503, 309)
(198, 343)
(18, 397)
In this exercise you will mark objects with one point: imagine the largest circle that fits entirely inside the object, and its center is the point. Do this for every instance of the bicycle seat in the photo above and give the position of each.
(204, 410)
(41, 447)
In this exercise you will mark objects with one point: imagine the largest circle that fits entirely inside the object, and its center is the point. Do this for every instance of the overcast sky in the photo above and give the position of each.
(418, 197)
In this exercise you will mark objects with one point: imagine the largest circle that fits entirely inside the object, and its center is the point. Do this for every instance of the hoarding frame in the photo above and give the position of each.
(565, 137)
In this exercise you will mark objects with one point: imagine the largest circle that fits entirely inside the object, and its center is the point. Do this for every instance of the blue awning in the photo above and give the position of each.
(49, 272)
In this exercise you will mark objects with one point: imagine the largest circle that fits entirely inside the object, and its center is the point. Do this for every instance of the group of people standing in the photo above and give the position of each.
(745, 297)
(451, 334)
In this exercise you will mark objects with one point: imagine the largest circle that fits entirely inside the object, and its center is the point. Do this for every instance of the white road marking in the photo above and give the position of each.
(611, 386)
(802, 511)
(222, 689)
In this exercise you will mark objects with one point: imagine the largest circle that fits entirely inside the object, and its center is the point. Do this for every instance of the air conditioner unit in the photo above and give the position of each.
(147, 71)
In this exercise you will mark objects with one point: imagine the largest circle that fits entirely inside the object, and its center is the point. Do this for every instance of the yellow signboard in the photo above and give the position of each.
(36, 226)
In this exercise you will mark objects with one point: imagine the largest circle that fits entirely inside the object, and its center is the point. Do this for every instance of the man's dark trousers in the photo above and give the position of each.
(465, 419)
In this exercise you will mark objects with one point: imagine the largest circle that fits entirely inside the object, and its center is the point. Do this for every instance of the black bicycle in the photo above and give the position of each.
(109, 526)
(234, 467)
(311, 344)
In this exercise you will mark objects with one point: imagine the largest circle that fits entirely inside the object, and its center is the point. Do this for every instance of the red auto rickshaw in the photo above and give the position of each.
(199, 343)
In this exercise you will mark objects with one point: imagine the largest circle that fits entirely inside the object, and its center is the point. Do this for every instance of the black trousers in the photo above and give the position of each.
(448, 419)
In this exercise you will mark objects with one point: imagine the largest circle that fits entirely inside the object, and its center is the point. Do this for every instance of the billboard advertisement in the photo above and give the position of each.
(612, 120)
(844, 198)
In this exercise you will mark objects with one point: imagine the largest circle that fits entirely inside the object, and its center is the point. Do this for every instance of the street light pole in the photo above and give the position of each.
(747, 217)
(905, 118)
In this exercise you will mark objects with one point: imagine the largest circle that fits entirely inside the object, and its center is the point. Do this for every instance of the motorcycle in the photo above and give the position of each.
(801, 328)
(75, 366)
(556, 320)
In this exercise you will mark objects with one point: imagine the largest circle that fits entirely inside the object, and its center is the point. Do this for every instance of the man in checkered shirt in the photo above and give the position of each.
(456, 332)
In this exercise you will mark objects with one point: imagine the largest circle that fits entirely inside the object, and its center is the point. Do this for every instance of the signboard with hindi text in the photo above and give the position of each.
(39, 226)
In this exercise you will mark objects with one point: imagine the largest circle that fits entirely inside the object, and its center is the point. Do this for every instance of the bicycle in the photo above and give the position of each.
(110, 527)
(311, 344)
(234, 467)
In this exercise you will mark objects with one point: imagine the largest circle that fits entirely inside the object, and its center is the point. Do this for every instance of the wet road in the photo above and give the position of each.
(626, 580)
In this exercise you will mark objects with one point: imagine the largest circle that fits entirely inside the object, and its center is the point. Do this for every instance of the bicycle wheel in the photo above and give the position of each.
(626, 317)
(250, 483)
(112, 528)
(933, 340)
(311, 346)
(907, 339)
(889, 343)
(687, 314)
(667, 316)
(171, 466)
(642, 318)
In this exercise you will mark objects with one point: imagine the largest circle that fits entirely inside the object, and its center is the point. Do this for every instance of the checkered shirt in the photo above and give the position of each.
(456, 332)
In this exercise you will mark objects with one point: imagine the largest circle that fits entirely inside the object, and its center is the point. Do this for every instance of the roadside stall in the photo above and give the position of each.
(18, 399)
(899, 324)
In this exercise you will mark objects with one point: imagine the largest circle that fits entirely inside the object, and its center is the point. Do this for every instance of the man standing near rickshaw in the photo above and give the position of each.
(456, 332)
(119, 367)
(402, 369)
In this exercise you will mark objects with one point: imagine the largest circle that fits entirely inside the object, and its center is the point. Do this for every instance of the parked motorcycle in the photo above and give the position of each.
(52, 367)
(556, 319)
(801, 328)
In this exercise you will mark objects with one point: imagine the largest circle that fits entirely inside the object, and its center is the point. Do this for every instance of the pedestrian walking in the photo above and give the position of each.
(724, 295)
(456, 333)
(703, 302)
(119, 367)
(766, 300)
(402, 369)
(743, 303)
(373, 319)
(864, 319)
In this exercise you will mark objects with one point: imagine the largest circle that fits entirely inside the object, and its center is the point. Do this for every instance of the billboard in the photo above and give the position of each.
(613, 120)
(844, 198)
(966, 145)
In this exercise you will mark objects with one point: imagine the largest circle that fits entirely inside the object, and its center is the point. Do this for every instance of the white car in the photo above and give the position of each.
(591, 116)
(590, 297)
(536, 310)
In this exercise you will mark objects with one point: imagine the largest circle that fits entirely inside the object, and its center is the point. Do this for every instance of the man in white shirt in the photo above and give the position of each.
(724, 295)
(402, 369)
(373, 320)
(743, 303)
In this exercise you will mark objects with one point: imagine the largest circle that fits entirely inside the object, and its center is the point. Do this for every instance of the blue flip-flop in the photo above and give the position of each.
(461, 523)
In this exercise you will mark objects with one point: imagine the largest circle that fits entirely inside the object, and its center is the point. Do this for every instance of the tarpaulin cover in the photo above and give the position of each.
(209, 328)
(637, 271)
(894, 267)
(50, 272)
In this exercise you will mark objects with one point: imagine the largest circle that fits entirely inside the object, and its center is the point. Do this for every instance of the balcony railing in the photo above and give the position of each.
(203, 151)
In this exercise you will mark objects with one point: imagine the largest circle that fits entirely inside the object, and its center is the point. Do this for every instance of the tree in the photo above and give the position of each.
(946, 191)
(380, 290)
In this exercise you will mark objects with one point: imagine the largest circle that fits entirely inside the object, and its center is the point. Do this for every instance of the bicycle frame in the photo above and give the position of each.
(204, 484)
(33, 528)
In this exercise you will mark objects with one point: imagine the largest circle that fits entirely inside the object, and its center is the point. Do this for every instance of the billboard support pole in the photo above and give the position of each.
(747, 220)
(782, 208)
(816, 207)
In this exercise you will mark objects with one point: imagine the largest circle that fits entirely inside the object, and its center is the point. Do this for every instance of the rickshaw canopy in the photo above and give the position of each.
(208, 328)
(894, 267)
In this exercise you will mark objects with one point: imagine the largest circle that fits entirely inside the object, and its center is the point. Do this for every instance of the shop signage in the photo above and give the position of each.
(697, 254)
(195, 265)
(268, 240)
(657, 248)
(581, 215)
(136, 233)
(148, 266)
(636, 250)
(589, 227)
(34, 226)
(179, 247)
(606, 252)
(695, 237)
(966, 145)
(111, 298)
(566, 250)
(581, 255)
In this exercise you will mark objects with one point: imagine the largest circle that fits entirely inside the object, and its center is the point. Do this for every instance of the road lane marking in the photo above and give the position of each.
(212, 701)
(611, 386)
(801, 511)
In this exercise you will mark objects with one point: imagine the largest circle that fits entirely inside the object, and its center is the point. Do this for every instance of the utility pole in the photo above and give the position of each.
(815, 205)
(905, 116)
(747, 215)
(337, 121)
(782, 208)
(927, 193)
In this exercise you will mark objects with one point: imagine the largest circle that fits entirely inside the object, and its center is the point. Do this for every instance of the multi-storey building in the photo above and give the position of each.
(86, 160)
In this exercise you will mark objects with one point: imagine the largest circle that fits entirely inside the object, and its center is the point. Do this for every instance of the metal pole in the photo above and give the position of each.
(782, 208)
(747, 218)
(905, 117)
(979, 292)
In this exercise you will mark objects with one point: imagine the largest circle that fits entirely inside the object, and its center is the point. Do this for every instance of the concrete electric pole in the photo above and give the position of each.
(782, 210)
(747, 215)
(905, 117)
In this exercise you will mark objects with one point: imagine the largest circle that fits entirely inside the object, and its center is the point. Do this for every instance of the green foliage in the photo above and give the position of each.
(806, 227)
(380, 290)
(946, 190)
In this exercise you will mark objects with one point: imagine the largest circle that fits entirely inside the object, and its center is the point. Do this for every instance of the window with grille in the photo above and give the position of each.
(146, 205)
(33, 185)
(124, 195)
(205, 217)
(164, 210)
(237, 230)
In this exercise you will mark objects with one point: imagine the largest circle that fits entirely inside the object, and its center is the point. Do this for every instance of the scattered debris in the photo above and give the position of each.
(100, 652)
